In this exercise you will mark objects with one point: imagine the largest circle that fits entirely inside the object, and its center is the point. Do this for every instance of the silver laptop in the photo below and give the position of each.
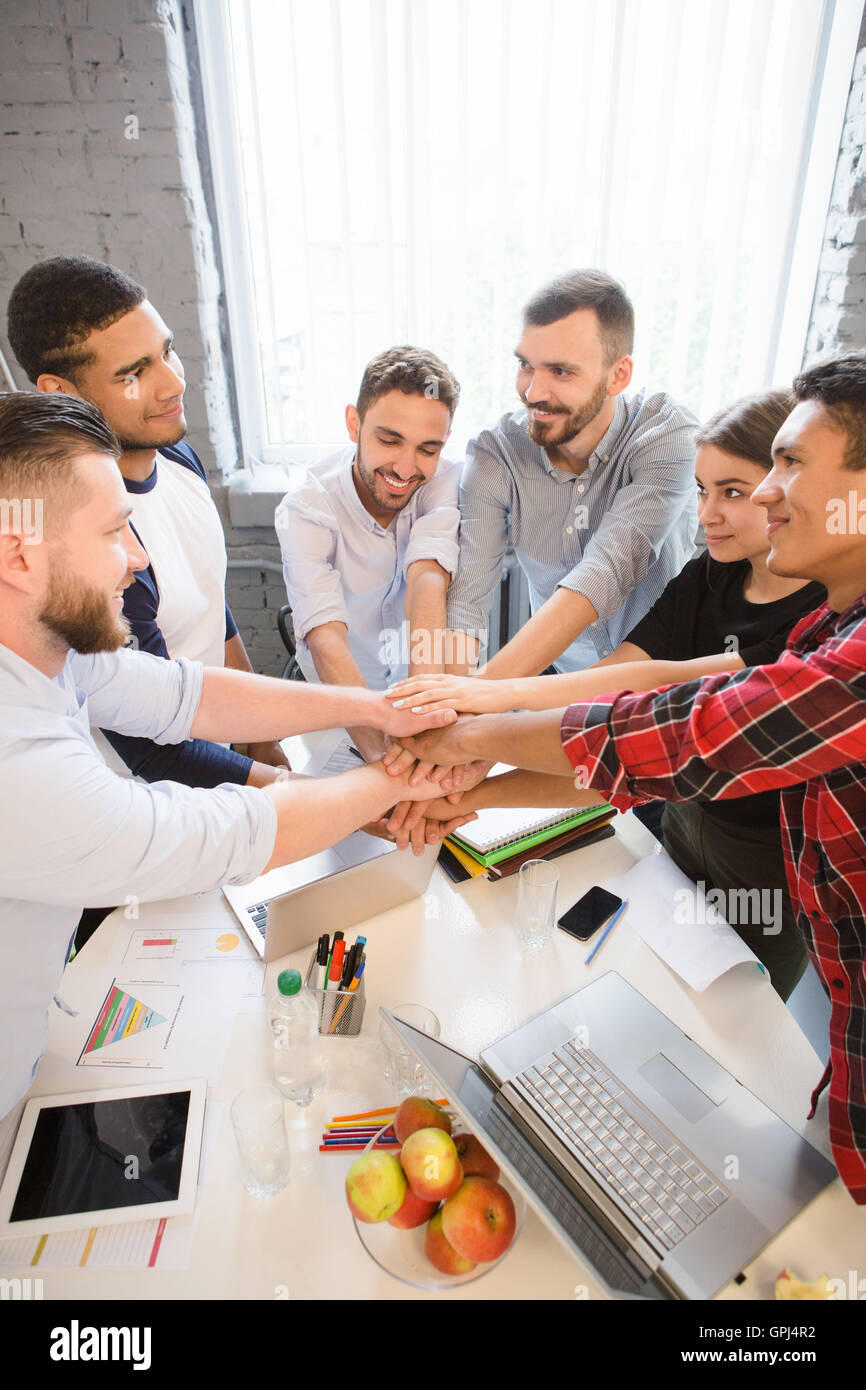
(645, 1157)
(361, 876)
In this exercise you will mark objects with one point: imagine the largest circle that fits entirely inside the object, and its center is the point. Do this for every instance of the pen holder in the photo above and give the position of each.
(341, 1011)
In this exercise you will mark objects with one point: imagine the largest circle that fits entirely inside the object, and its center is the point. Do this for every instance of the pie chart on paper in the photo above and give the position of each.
(227, 942)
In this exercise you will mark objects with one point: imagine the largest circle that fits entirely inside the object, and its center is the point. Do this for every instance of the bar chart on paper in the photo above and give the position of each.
(187, 946)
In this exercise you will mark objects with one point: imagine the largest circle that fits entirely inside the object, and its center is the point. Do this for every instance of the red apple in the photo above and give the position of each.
(419, 1113)
(375, 1185)
(431, 1165)
(440, 1254)
(414, 1212)
(474, 1158)
(479, 1220)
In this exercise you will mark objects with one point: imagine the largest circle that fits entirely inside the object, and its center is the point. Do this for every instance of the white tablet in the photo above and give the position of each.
(98, 1158)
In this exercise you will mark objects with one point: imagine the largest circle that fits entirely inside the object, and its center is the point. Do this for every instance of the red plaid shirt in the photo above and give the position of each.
(799, 725)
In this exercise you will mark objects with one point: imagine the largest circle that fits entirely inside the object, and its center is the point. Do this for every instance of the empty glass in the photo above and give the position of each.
(536, 903)
(260, 1131)
(402, 1068)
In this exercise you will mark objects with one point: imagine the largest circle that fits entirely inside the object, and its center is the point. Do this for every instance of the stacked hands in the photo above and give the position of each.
(437, 757)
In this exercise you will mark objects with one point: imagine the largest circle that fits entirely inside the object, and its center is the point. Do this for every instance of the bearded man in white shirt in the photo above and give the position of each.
(71, 830)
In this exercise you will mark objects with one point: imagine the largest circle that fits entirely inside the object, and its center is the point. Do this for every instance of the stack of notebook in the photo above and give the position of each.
(499, 841)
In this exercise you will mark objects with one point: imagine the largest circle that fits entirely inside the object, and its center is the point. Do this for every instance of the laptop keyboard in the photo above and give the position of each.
(259, 914)
(667, 1190)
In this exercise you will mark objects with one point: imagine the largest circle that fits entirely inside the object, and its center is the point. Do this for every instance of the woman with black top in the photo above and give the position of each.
(724, 611)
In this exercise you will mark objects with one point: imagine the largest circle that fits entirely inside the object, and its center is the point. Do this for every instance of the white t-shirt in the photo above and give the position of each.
(179, 526)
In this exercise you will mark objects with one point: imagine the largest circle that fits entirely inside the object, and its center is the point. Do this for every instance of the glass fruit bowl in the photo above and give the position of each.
(401, 1252)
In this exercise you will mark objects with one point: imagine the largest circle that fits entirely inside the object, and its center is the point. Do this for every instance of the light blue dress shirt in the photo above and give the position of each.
(616, 533)
(340, 565)
(73, 833)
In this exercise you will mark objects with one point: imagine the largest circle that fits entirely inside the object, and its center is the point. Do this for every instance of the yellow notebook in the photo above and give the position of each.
(471, 865)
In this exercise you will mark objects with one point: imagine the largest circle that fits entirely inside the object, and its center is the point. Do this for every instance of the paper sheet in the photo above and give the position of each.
(217, 962)
(673, 917)
(328, 761)
(138, 1025)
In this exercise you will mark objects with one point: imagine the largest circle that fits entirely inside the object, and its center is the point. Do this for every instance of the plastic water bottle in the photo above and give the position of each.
(294, 1021)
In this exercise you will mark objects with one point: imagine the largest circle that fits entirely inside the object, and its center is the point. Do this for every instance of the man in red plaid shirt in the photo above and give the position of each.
(798, 725)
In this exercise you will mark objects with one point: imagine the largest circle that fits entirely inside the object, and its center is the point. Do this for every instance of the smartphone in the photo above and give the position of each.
(589, 913)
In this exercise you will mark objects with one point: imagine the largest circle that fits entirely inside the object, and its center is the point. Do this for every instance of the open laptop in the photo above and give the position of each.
(358, 878)
(648, 1160)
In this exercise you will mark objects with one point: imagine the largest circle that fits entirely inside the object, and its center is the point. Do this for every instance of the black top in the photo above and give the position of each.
(702, 612)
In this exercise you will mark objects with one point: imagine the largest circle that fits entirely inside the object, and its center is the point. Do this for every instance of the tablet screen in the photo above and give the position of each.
(103, 1154)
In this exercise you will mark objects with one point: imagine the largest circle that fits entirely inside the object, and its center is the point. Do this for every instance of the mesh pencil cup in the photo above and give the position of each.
(341, 1011)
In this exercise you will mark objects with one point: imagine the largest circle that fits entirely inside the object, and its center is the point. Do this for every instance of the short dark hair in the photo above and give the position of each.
(42, 434)
(839, 383)
(748, 427)
(57, 304)
(414, 371)
(587, 289)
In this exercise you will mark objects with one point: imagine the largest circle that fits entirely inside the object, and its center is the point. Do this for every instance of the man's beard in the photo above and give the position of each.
(129, 445)
(81, 616)
(562, 428)
(384, 500)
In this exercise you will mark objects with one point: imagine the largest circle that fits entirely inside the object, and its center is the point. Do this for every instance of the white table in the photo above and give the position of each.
(454, 951)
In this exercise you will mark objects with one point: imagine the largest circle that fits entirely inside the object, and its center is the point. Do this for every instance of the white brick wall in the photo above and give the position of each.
(839, 307)
(71, 73)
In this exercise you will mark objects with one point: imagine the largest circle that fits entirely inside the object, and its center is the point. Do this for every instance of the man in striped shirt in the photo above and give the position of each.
(594, 491)
(798, 725)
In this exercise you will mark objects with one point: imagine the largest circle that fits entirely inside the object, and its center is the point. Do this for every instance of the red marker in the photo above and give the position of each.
(336, 965)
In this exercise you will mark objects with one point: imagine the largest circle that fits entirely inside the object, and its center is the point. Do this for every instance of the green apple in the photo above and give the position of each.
(375, 1185)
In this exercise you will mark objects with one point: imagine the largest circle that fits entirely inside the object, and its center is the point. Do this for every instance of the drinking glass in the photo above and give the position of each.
(536, 903)
(260, 1131)
(402, 1068)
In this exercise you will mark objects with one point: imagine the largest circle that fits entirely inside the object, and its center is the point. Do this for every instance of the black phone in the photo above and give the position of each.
(589, 913)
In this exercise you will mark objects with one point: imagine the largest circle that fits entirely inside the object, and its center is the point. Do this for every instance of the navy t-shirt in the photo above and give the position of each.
(702, 612)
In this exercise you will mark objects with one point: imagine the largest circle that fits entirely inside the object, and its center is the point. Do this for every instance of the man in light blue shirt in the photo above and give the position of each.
(369, 536)
(71, 830)
(594, 491)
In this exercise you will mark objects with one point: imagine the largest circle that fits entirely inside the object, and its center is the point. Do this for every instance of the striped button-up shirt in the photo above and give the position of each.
(616, 533)
(799, 725)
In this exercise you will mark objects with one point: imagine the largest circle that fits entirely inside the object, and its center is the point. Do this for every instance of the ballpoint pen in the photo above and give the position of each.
(620, 910)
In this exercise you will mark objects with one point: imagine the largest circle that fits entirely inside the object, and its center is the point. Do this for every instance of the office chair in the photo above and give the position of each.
(292, 670)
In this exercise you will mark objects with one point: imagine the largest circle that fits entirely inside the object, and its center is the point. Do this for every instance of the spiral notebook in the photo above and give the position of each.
(498, 834)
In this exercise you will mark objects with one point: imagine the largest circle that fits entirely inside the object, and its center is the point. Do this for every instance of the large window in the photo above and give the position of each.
(411, 171)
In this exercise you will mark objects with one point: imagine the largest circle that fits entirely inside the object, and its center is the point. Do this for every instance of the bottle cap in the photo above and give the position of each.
(289, 982)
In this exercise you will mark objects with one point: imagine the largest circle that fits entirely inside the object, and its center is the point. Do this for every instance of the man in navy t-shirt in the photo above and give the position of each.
(83, 328)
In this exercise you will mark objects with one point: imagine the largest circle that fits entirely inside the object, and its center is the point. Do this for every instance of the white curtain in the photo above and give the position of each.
(413, 170)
